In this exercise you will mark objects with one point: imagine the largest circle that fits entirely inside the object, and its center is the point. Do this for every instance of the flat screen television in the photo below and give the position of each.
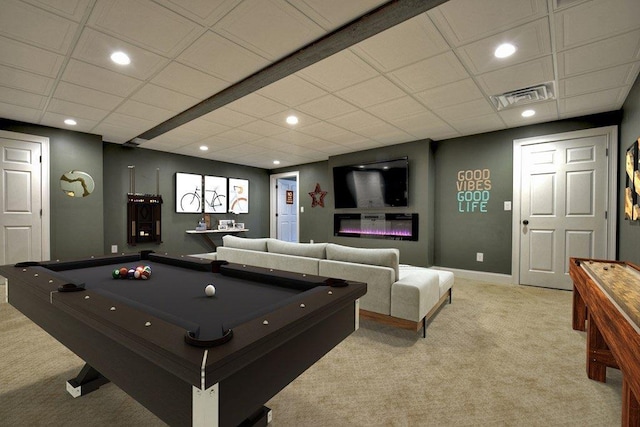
(372, 185)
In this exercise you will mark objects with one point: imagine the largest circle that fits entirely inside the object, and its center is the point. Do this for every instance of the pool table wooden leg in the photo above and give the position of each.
(85, 382)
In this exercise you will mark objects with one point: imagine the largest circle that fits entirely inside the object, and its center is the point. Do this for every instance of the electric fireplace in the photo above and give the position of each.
(376, 226)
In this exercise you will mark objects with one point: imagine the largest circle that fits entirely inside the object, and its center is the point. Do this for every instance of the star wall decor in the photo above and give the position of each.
(317, 196)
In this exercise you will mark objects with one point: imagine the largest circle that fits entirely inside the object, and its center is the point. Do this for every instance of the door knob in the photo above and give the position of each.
(525, 222)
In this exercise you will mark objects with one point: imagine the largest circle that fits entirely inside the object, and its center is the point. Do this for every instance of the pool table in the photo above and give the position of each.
(189, 358)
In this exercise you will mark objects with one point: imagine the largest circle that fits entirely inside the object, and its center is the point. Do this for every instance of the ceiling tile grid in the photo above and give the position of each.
(428, 77)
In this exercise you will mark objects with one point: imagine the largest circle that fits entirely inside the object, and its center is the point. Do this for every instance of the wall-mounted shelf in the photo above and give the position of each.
(376, 226)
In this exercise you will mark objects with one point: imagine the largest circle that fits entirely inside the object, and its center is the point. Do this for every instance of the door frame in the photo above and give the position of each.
(273, 201)
(44, 185)
(611, 132)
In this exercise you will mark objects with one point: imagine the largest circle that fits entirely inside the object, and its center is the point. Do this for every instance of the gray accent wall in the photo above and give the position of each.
(628, 231)
(175, 240)
(460, 235)
(317, 223)
(76, 222)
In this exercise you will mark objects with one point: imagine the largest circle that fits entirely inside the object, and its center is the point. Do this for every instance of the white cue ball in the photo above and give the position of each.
(210, 290)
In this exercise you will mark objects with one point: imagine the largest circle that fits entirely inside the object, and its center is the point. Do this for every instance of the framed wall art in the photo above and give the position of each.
(215, 194)
(632, 188)
(238, 195)
(188, 193)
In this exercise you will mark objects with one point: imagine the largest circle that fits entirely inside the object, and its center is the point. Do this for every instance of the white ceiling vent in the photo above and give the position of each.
(527, 95)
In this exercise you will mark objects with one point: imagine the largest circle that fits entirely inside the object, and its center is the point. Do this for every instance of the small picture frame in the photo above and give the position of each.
(239, 225)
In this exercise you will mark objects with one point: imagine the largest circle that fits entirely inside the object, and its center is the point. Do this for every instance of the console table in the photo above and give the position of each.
(606, 295)
(208, 235)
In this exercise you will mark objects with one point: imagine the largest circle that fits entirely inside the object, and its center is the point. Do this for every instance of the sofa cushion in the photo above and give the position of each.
(311, 250)
(296, 264)
(415, 294)
(230, 241)
(386, 257)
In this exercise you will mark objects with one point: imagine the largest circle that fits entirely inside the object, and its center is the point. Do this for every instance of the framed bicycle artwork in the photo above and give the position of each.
(238, 195)
(215, 194)
(188, 193)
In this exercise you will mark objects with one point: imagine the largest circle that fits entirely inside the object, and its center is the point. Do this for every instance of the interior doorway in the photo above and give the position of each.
(564, 204)
(285, 205)
(24, 198)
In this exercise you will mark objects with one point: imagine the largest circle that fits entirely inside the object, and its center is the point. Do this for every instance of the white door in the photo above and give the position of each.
(563, 207)
(21, 202)
(287, 218)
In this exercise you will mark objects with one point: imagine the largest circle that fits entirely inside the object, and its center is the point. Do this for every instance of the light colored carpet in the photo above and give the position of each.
(499, 355)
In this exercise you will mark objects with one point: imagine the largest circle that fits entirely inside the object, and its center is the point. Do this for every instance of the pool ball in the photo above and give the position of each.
(145, 275)
(137, 274)
(115, 273)
(131, 273)
(123, 272)
(210, 290)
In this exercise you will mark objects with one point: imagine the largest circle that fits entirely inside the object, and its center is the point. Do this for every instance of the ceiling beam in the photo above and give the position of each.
(368, 25)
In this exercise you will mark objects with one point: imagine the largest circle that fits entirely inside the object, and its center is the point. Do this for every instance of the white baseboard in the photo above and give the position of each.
(505, 279)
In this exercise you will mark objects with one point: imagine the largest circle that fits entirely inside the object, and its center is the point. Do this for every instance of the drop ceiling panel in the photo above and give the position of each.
(188, 81)
(96, 48)
(450, 94)
(76, 111)
(435, 130)
(416, 123)
(463, 21)
(531, 40)
(605, 100)
(404, 44)
(115, 133)
(145, 24)
(356, 120)
(239, 135)
(71, 9)
(321, 130)
(86, 96)
(462, 111)
(23, 80)
(159, 96)
(517, 76)
(204, 127)
(22, 98)
(592, 21)
(622, 75)
(144, 111)
(45, 29)
(101, 79)
(338, 71)
(397, 109)
(226, 116)
(330, 14)
(371, 92)
(429, 73)
(326, 107)
(292, 91)
(264, 128)
(596, 56)
(16, 112)
(205, 12)
(257, 106)
(29, 58)
(221, 58)
(270, 28)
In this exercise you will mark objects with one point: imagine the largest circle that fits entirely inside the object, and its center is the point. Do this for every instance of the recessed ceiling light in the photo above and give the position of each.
(276, 162)
(203, 148)
(504, 50)
(120, 58)
(70, 122)
(528, 113)
(292, 120)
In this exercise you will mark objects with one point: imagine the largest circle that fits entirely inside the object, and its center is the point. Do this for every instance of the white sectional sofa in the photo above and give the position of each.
(402, 295)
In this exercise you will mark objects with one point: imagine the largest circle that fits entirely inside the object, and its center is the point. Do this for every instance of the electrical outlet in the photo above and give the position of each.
(114, 249)
(479, 257)
(507, 206)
